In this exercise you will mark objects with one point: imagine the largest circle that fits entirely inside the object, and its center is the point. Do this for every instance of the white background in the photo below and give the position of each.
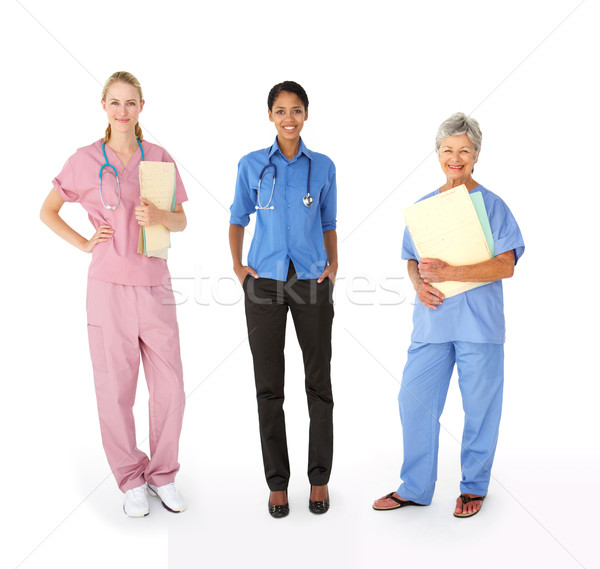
(380, 76)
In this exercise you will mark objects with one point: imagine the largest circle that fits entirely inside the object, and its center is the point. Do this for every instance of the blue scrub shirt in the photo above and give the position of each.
(290, 230)
(478, 314)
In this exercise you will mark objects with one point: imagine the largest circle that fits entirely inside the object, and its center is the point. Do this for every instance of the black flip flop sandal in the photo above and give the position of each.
(400, 503)
(465, 500)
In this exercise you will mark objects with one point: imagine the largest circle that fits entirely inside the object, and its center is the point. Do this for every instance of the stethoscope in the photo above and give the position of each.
(307, 200)
(116, 176)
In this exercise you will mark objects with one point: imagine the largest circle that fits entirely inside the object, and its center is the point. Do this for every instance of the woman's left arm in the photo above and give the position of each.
(148, 214)
(330, 244)
(500, 267)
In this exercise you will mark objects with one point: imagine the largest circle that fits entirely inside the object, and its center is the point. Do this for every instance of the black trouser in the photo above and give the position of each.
(311, 304)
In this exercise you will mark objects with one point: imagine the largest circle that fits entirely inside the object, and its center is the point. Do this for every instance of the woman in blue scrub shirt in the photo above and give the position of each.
(466, 330)
(292, 265)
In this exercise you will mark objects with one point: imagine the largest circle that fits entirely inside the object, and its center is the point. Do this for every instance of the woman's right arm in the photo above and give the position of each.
(49, 214)
(236, 243)
(430, 296)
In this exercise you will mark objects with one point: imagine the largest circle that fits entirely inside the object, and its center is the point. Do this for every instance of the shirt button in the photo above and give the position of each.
(288, 227)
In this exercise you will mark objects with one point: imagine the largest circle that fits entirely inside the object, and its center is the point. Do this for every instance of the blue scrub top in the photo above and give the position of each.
(478, 314)
(290, 230)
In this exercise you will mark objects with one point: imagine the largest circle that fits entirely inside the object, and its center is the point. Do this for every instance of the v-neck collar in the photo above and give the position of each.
(115, 161)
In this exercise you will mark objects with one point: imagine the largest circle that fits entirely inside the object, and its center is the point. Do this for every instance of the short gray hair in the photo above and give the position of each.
(458, 124)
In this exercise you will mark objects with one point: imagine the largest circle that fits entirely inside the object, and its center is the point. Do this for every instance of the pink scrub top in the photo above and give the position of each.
(116, 260)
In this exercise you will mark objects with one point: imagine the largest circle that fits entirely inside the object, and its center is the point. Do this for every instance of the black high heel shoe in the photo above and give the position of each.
(279, 511)
(319, 506)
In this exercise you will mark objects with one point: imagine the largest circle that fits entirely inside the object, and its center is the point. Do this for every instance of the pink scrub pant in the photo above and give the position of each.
(124, 321)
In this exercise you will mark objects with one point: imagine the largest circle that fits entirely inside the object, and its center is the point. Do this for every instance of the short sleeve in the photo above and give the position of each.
(505, 230)
(243, 204)
(180, 193)
(64, 183)
(408, 247)
(329, 202)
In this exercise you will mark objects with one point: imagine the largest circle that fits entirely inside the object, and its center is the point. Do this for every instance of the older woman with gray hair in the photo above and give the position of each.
(466, 330)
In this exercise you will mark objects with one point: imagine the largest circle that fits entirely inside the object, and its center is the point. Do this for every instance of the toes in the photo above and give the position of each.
(383, 503)
(380, 501)
(473, 506)
(470, 507)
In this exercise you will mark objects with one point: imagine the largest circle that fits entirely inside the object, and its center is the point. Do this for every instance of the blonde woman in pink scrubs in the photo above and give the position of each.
(130, 310)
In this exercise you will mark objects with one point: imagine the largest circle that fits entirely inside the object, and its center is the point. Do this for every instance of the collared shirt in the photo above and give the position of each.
(115, 260)
(478, 314)
(290, 230)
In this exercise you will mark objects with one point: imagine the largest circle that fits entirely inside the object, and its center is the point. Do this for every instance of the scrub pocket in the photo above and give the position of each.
(96, 339)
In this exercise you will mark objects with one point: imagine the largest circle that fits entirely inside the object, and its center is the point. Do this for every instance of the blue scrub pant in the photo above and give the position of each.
(422, 396)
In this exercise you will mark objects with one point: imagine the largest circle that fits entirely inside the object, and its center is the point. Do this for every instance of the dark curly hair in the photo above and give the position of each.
(290, 87)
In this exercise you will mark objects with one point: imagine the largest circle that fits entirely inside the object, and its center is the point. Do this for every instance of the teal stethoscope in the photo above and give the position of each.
(107, 163)
(307, 200)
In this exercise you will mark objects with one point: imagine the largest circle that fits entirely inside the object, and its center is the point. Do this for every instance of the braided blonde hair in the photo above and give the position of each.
(123, 77)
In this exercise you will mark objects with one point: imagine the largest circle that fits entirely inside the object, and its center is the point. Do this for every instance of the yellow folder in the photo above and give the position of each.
(157, 184)
(446, 227)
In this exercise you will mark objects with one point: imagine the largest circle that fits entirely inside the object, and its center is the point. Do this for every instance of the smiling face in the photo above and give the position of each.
(122, 106)
(288, 114)
(457, 158)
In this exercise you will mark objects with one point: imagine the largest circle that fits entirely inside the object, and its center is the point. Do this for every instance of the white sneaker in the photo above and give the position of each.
(170, 498)
(136, 502)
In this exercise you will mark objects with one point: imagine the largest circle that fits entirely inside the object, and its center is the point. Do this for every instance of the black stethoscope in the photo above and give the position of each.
(307, 200)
